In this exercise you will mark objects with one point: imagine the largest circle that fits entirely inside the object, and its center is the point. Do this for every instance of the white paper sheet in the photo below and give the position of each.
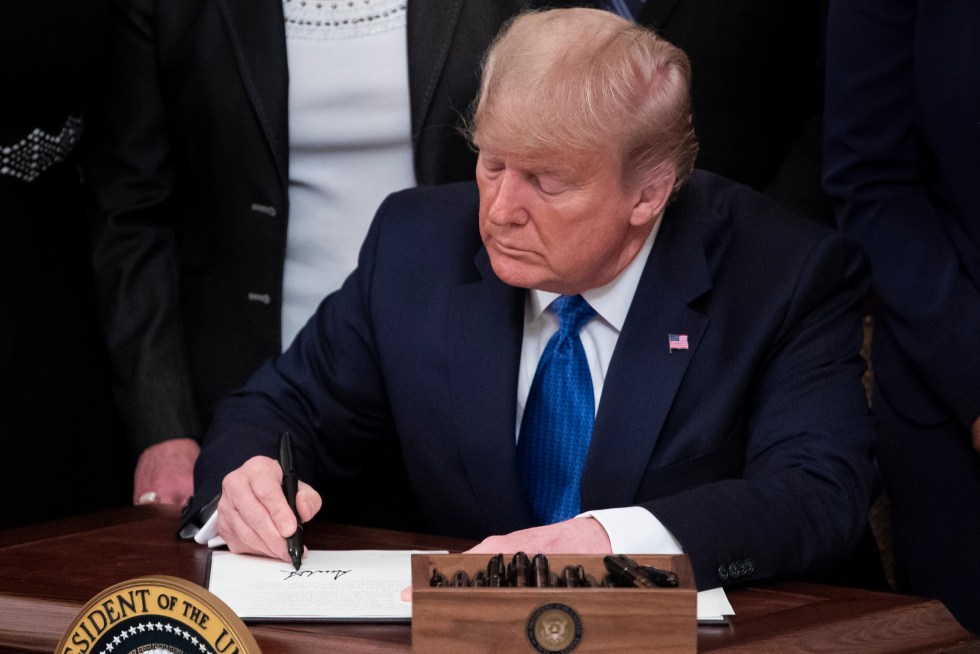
(713, 606)
(330, 585)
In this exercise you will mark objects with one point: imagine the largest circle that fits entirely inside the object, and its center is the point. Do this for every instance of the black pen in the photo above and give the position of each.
(569, 577)
(625, 574)
(496, 576)
(290, 485)
(540, 572)
(437, 579)
(518, 569)
(663, 578)
(460, 579)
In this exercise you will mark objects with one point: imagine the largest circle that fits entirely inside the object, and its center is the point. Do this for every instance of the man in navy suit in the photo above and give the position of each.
(729, 422)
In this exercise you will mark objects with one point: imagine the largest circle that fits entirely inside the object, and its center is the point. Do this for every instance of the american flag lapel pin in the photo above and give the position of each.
(676, 342)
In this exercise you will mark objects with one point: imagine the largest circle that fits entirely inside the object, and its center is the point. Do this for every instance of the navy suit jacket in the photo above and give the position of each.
(752, 446)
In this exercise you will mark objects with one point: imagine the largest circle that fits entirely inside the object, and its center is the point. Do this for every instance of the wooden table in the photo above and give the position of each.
(48, 573)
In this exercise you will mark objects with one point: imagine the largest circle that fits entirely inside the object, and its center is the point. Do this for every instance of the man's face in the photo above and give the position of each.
(560, 223)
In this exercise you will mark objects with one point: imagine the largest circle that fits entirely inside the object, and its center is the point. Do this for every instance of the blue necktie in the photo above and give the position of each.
(557, 423)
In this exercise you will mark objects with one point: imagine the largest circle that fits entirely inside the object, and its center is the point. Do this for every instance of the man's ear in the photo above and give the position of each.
(654, 193)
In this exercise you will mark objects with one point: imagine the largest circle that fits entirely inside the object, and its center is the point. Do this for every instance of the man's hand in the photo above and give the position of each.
(165, 472)
(575, 536)
(253, 515)
(975, 432)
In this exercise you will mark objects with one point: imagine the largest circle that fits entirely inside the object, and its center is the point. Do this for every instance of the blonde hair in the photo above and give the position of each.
(589, 81)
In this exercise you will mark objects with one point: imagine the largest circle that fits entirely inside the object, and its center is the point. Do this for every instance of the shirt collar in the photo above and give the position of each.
(612, 301)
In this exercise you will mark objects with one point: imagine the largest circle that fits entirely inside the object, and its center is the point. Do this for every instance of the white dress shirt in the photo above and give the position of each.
(630, 529)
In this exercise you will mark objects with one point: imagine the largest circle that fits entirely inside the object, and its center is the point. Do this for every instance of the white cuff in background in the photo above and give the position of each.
(208, 534)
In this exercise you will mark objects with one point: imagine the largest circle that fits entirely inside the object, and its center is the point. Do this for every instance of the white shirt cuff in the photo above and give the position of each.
(634, 530)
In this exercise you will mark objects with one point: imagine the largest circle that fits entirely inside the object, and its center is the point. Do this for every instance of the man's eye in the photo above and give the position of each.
(551, 186)
(493, 166)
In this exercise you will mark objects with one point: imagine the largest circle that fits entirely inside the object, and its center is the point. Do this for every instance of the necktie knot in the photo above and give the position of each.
(573, 312)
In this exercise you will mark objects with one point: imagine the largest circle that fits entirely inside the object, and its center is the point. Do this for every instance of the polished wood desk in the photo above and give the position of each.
(48, 573)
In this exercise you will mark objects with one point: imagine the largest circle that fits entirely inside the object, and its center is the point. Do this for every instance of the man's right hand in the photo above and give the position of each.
(253, 515)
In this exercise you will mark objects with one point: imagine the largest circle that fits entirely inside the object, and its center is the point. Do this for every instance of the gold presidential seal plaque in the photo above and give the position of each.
(157, 615)
(554, 628)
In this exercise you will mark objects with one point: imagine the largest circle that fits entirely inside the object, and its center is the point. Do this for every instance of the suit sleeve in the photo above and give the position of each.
(876, 171)
(801, 501)
(328, 383)
(130, 174)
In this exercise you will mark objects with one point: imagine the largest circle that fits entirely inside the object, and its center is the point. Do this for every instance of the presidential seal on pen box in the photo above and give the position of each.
(562, 603)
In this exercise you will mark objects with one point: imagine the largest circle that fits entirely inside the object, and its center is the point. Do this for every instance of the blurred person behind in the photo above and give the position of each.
(60, 448)
(902, 164)
(243, 149)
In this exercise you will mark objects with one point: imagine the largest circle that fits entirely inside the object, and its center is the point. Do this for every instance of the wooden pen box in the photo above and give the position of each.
(551, 619)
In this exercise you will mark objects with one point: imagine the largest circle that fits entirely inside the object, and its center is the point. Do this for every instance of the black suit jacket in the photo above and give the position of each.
(190, 176)
(752, 447)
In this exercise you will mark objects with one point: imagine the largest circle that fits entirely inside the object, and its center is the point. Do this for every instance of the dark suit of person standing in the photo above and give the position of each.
(61, 451)
(190, 180)
(903, 164)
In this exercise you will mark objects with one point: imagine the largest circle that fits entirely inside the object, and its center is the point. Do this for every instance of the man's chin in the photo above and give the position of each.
(523, 276)
(516, 273)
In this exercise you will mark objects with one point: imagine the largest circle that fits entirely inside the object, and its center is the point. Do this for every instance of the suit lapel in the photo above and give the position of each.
(257, 32)
(428, 46)
(486, 323)
(644, 375)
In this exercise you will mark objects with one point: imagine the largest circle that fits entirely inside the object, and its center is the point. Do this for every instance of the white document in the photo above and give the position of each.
(330, 585)
(713, 606)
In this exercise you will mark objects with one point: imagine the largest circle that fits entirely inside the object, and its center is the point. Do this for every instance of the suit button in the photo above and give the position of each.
(733, 570)
(264, 208)
(749, 566)
(723, 572)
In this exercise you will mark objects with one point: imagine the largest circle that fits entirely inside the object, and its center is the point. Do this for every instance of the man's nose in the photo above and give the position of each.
(508, 205)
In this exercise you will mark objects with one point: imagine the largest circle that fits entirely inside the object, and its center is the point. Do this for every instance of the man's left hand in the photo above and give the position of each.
(575, 536)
